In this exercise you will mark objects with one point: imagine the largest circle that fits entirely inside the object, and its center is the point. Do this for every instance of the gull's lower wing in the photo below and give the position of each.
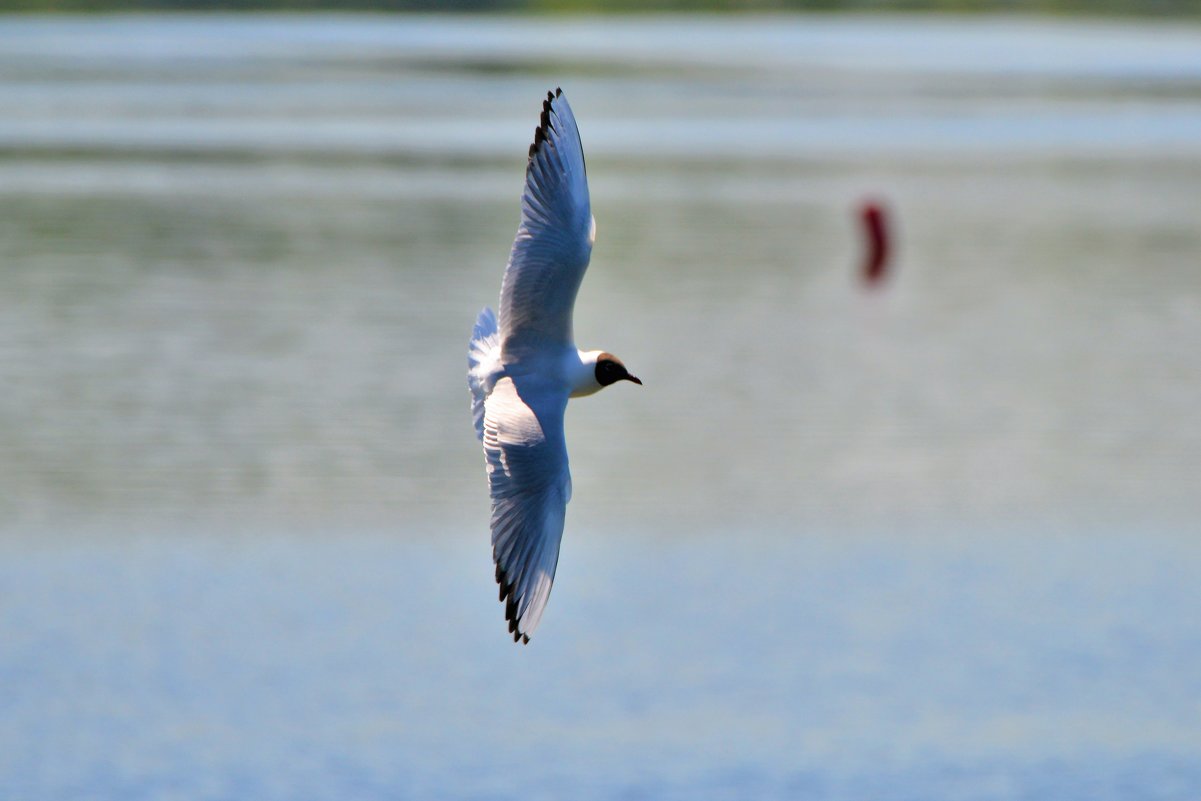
(554, 240)
(526, 457)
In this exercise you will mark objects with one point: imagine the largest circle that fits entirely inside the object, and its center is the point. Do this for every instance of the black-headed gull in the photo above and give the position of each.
(522, 368)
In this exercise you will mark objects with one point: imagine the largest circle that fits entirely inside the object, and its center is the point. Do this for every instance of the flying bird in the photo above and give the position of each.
(523, 365)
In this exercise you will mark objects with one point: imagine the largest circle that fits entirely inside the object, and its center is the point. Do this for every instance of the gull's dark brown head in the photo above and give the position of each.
(610, 370)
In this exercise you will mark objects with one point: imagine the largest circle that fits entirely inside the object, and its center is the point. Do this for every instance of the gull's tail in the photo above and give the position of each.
(482, 356)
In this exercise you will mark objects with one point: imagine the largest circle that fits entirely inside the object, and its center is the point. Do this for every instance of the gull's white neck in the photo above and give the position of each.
(581, 372)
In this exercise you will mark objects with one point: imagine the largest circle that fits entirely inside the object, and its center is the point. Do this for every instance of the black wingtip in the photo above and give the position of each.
(509, 599)
(544, 121)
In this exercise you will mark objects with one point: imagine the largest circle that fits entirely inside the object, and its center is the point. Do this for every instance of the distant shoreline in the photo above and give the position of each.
(1164, 9)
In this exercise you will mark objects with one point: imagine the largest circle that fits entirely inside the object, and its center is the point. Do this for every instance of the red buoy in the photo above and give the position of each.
(877, 244)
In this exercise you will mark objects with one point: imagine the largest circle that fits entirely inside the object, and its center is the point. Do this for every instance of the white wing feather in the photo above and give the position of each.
(526, 457)
(554, 241)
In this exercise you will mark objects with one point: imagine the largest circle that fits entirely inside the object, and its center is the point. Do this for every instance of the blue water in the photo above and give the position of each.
(1042, 666)
(929, 543)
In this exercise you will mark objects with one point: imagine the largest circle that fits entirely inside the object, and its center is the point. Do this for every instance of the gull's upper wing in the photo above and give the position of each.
(527, 469)
(554, 240)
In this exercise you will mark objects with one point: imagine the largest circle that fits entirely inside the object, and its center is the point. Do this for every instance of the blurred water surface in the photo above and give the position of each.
(937, 540)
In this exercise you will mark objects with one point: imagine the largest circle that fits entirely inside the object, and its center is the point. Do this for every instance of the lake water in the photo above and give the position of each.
(934, 540)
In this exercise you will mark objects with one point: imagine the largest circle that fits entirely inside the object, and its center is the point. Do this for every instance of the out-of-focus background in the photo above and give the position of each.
(935, 538)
